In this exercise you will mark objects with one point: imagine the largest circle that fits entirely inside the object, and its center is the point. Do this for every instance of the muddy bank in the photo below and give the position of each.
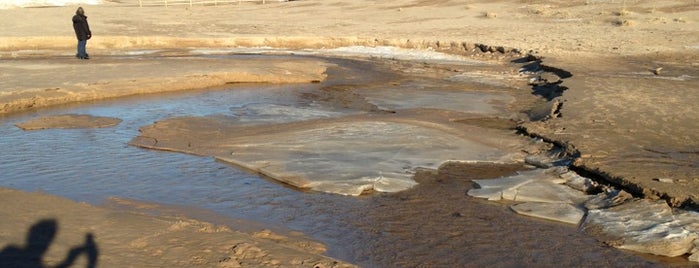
(630, 123)
(30, 83)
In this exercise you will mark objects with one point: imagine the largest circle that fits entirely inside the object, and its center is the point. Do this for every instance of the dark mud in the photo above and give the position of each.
(436, 224)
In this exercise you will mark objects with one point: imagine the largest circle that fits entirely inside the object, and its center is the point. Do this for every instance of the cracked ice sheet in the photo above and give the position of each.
(551, 211)
(353, 157)
(646, 226)
(539, 185)
(541, 191)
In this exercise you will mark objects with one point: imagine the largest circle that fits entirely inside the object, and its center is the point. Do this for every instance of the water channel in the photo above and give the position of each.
(433, 224)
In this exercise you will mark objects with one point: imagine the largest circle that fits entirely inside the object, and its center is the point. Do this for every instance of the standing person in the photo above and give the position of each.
(82, 31)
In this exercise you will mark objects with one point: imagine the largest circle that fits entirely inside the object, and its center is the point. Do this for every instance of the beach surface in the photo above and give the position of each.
(622, 78)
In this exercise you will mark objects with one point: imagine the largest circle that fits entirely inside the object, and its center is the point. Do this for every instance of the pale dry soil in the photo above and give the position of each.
(627, 110)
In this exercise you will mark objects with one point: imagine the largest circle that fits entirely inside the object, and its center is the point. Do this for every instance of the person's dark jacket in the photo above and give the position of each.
(82, 29)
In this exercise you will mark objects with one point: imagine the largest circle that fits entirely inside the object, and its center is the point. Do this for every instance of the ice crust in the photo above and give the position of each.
(353, 157)
(537, 185)
(648, 226)
(613, 215)
(382, 52)
(460, 101)
(562, 212)
(389, 52)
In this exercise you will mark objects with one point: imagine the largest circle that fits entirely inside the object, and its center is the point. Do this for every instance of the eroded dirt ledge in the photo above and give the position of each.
(649, 151)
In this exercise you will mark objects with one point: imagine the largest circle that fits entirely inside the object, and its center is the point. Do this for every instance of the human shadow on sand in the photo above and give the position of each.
(39, 238)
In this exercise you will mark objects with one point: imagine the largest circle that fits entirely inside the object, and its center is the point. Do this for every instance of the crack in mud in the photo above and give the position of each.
(546, 82)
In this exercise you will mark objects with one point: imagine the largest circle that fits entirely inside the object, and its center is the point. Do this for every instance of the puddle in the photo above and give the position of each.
(433, 223)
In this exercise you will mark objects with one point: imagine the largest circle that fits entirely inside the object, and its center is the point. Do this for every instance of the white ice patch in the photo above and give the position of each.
(460, 101)
(542, 191)
(248, 50)
(352, 157)
(648, 226)
(7, 4)
(389, 52)
(141, 52)
(383, 52)
(537, 185)
(619, 219)
(499, 189)
(551, 211)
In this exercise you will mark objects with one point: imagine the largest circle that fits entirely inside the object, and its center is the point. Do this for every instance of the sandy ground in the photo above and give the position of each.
(627, 108)
(60, 231)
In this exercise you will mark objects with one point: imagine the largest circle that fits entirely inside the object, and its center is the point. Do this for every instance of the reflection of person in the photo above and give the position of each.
(82, 32)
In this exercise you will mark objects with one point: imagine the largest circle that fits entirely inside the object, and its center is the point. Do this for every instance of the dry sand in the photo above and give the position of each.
(620, 112)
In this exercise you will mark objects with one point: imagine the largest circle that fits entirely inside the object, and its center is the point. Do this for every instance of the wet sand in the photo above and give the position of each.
(437, 224)
(30, 82)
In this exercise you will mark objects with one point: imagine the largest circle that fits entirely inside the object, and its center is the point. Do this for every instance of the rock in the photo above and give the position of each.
(694, 257)
(536, 81)
(468, 46)
(664, 180)
(550, 78)
(645, 226)
(566, 213)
